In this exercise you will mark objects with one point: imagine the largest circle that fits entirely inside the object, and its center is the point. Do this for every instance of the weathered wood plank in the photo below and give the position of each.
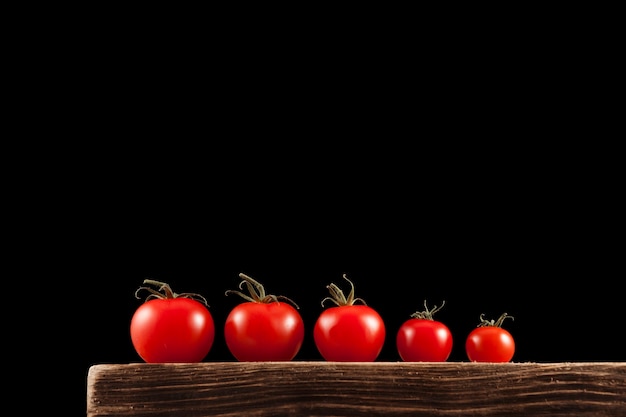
(307, 389)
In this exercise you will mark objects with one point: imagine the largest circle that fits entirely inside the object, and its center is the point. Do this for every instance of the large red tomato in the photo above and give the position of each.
(348, 332)
(170, 327)
(263, 328)
(423, 339)
(489, 342)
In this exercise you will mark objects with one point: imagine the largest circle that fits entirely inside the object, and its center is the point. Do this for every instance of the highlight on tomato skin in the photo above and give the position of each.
(263, 328)
(348, 332)
(423, 339)
(170, 327)
(489, 342)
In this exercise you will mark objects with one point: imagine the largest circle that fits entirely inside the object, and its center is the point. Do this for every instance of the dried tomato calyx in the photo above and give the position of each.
(257, 292)
(339, 298)
(427, 315)
(497, 323)
(166, 292)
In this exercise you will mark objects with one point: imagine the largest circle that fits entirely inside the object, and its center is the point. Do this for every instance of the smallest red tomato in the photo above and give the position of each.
(423, 339)
(489, 342)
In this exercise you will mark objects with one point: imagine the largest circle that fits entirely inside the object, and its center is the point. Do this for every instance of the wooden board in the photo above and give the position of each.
(320, 388)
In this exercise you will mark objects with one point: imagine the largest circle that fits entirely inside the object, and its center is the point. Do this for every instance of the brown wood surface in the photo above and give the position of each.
(320, 388)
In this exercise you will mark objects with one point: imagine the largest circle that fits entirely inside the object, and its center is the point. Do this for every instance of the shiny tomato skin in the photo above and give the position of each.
(172, 330)
(256, 331)
(490, 344)
(423, 340)
(349, 333)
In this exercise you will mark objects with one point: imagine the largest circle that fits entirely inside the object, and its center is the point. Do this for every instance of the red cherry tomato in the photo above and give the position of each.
(423, 339)
(263, 328)
(348, 332)
(489, 342)
(171, 327)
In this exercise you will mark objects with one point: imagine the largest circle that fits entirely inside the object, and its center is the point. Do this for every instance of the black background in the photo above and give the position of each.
(480, 170)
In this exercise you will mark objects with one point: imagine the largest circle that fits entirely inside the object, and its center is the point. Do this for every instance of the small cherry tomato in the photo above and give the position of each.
(489, 342)
(263, 328)
(170, 327)
(423, 339)
(348, 332)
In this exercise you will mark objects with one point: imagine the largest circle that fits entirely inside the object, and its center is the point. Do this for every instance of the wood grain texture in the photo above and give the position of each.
(308, 389)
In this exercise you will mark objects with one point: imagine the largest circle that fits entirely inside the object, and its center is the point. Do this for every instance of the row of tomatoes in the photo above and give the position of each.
(170, 327)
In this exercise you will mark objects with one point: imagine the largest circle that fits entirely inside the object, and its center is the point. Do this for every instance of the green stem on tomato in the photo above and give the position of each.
(339, 298)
